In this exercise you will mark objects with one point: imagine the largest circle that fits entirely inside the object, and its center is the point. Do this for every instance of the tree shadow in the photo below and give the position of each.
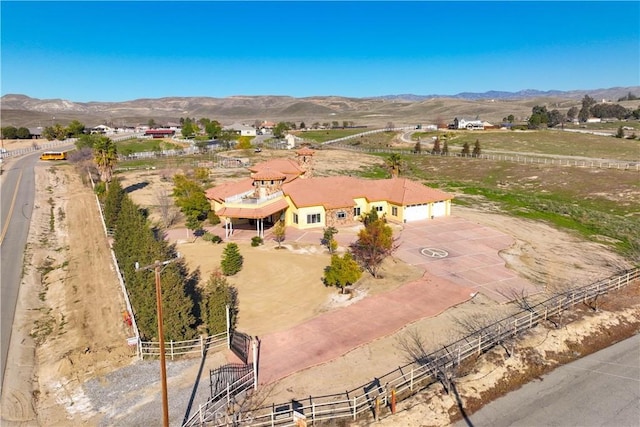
(133, 187)
(194, 391)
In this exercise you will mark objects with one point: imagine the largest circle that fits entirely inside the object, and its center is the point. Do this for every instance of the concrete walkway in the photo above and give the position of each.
(459, 257)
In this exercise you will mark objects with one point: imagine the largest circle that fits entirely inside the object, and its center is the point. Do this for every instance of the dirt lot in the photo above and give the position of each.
(69, 339)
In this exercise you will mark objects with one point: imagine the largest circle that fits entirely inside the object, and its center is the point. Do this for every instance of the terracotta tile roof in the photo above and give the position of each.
(340, 191)
(287, 167)
(229, 189)
(403, 191)
(305, 151)
(268, 174)
(260, 212)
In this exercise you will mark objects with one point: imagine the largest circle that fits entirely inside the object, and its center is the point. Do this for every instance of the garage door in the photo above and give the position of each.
(439, 209)
(416, 213)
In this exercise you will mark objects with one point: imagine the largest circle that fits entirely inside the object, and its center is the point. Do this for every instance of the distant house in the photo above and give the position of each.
(160, 133)
(35, 133)
(467, 124)
(102, 130)
(285, 189)
(174, 126)
(241, 129)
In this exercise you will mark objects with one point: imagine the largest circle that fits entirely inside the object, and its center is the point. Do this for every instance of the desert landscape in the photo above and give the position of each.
(68, 348)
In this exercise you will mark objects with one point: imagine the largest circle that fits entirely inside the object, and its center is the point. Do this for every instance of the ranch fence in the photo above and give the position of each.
(405, 381)
(554, 161)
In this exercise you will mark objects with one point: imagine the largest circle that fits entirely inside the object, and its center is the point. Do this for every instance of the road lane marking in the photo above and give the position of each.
(13, 203)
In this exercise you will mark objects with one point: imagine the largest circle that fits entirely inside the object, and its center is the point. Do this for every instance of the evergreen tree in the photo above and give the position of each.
(231, 259)
(216, 296)
(465, 149)
(445, 148)
(112, 202)
(177, 306)
(436, 146)
(417, 149)
(476, 149)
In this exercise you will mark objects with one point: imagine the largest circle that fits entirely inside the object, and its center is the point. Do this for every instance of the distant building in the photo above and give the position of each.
(160, 133)
(241, 129)
(102, 130)
(467, 124)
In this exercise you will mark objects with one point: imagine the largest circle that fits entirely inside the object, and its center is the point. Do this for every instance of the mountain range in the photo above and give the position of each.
(22, 110)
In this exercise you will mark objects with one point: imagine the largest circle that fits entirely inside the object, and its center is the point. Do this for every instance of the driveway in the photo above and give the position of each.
(464, 253)
(471, 263)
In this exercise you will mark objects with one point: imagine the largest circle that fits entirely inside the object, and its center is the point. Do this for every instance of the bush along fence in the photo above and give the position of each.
(544, 160)
(381, 395)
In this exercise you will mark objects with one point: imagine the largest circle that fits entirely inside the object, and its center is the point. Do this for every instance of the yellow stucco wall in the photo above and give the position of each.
(302, 217)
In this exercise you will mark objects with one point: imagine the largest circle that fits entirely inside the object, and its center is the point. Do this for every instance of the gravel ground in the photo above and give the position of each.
(131, 395)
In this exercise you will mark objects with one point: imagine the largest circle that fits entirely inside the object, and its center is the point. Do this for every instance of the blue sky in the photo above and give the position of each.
(117, 51)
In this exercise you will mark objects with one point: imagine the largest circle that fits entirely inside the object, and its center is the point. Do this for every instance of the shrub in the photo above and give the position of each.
(213, 218)
(231, 260)
(210, 237)
(256, 241)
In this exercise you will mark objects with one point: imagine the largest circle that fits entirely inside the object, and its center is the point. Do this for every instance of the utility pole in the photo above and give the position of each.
(157, 268)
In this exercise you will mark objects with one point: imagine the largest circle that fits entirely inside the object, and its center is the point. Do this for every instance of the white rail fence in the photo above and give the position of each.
(198, 346)
(585, 163)
(371, 398)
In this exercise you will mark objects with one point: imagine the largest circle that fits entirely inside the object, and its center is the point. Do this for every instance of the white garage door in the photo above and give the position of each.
(439, 209)
(416, 213)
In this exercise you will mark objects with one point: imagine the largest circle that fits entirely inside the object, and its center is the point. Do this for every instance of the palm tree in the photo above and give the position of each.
(105, 155)
(394, 161)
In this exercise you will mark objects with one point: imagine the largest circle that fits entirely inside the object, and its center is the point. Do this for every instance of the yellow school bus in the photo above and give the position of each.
(54, 155)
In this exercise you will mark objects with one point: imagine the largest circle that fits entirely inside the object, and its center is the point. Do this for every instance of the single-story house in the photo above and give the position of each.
(102, 129)
(160, 133)
(241, 129)
(285, 189)
(35, 133)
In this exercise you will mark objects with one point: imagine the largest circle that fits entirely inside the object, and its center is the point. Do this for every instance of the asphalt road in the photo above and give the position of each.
(602, 389)
(17, 189)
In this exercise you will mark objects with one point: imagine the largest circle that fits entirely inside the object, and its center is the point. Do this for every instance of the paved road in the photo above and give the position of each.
(17, 189)
(602, 389)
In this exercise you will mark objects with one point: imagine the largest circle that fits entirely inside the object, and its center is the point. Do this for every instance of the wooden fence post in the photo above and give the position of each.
(393, 401)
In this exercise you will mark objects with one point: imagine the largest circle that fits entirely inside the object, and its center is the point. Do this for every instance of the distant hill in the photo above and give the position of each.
(22, 110)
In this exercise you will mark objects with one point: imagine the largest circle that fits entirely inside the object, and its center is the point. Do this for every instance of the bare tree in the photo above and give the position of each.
(168, 211)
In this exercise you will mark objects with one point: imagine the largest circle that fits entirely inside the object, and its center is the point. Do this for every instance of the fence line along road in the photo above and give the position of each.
(376, 396)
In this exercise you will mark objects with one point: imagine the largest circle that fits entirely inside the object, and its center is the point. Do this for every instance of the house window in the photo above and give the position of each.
(341, 215)
(313, 218)
(356, 212)
(379, 208)
(394, 211)
(295, 218)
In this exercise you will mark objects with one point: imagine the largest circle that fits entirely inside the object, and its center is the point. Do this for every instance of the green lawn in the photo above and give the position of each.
(131, 146)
